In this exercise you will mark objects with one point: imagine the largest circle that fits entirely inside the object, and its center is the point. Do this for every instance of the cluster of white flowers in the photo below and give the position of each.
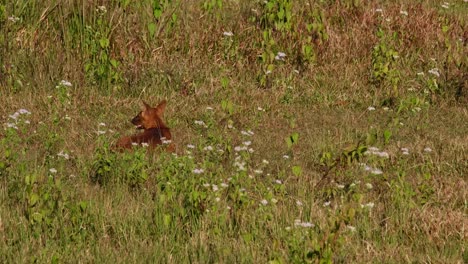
(375, 151)
(247, 133)
(367, 205)
(405, 151)
(200, 123)
(65, 83)
(239, 164)
(299, 223)
(101, 9)
(13, 19)
(198, 171)
(208, 148)
(372, 170)
(434, 71)
(17, 117)
(280, 56)
(63, 155)
(165, 141)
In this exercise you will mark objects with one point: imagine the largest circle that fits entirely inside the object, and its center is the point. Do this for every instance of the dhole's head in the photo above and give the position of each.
(150, 117)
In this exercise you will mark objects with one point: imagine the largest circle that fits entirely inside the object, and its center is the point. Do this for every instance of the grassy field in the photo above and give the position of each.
(305, 131)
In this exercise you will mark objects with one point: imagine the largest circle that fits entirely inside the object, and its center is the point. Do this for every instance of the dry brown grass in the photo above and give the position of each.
(325, 103)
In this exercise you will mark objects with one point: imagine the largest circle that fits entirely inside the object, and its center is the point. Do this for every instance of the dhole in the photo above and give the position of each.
(155, 132)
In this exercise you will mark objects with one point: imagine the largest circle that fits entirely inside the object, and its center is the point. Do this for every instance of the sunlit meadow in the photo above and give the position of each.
(305, 131)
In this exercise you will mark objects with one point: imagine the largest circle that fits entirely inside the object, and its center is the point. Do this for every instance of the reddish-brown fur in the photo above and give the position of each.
(154, 132)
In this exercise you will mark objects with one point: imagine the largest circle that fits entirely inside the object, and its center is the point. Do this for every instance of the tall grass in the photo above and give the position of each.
(313, 131)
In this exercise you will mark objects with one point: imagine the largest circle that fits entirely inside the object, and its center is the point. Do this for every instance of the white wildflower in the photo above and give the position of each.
(14, 116)
(367, 205)
(264, 202)
(326, 204)
(215, 187)
(11, 125)
(427, 149)
(303, 224)
(246, 133)
(190, 146)
(63, 155)
(53, 170)
(200, 123)
(369, 186)
(65, 83)
(298, 203)
(208, 148)
(370, 108)
(382, 154)
(239, 148)
(103, 9)
(228, 33)
(13, 19)
(198, 171)
(280, 56)
(434, 71)
(24, 111)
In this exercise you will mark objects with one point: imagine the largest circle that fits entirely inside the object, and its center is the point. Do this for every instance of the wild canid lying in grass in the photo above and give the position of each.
(155, 132)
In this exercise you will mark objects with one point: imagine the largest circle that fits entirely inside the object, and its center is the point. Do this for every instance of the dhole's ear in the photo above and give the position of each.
(160, 108)
(145, 106)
